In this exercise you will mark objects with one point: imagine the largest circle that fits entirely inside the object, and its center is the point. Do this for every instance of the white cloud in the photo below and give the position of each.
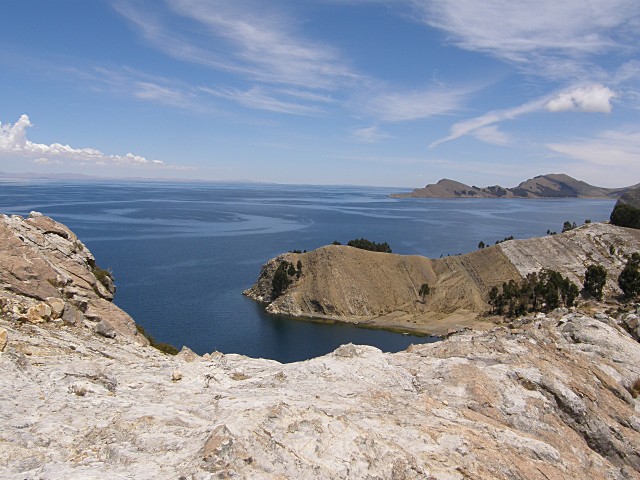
(259, 98)
(13, 141)
(161, 94)
(472, 125)
(610, 148)
(414, 105)
(544, 37)
(592, 98)
(491, 134)
(369, 135)
(251, 38)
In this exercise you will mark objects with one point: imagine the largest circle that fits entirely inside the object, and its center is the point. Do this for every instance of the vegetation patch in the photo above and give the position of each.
(364, 244)
(624, 215)
(542, 291)
(595, 279)
(283, 277)
(163, 347)
(105, 277)
(629, 278)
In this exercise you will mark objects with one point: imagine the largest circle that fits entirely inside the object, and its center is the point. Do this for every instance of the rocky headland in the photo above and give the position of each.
(553, 185)
(544, 397)
(383, 290)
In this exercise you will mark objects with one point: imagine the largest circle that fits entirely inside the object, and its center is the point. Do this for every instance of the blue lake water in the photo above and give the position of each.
(182, 253)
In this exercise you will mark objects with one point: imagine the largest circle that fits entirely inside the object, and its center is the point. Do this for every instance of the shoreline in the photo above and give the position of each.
(436, 327)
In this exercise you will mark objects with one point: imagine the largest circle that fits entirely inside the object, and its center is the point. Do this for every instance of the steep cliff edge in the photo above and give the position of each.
(548, 397)
(48, 275)
(382, 290)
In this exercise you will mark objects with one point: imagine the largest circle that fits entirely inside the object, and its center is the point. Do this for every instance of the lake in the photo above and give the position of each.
(182, 253)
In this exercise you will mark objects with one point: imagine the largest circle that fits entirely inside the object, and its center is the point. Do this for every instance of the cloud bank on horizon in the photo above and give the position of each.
(305, 92)
(13, 141)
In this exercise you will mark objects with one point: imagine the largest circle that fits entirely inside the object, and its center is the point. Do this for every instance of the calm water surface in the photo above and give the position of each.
(183, 252)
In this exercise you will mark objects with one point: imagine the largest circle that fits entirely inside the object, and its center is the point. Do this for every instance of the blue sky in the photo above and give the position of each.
(366, 92)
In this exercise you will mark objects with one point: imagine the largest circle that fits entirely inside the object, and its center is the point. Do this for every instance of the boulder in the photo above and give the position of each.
(39, 313)
(57, 306)
(105, 329)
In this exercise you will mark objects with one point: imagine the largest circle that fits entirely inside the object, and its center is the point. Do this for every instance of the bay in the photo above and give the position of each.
(182, 253)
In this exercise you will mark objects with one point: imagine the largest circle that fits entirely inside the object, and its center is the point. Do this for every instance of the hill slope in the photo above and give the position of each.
(544, 186)
(380, 289)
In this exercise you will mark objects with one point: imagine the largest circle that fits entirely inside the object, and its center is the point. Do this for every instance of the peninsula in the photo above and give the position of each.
(382, 290)
(553, 185)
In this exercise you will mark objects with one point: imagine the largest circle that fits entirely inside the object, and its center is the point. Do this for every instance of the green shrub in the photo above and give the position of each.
(424, 291)
(105, 277)
(595, 277)
(625, 215)
(280, 280)
(542, 291)
(166, 348)
(365, 244)
(629, 278)
(163, 347)
(505, 239)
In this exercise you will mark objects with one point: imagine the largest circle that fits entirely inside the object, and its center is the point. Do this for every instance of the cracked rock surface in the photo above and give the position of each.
(549, 399)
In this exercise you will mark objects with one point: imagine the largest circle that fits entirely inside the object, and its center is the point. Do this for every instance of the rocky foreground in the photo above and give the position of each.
(549, 397)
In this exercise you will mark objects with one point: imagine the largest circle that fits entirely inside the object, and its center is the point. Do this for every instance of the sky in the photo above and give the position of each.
(363, 92)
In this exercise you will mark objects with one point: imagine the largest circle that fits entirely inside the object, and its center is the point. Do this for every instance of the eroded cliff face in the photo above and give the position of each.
(548, 397)
(48, 275)
(382, 290)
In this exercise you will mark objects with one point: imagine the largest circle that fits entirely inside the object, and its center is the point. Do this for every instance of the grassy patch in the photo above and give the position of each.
(163, 347)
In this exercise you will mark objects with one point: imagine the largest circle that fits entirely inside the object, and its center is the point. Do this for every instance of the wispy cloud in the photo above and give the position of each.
(371, 134)
(250, 38)
(401, 106)
(13, 141)
(610, 148)
(544, 37)
(491, 134)
(259, 98)
(590, 98)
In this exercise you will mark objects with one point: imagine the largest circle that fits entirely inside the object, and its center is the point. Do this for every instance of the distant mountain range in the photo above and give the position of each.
(554, 185)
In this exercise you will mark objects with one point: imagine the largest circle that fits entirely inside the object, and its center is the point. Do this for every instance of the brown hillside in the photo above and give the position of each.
(553, 185)
(380, 289)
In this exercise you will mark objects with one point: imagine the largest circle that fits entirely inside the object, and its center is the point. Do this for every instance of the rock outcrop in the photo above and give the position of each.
(48, 275)
(548, 398)
(382, 290)
(631, 197)
(553, 185)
